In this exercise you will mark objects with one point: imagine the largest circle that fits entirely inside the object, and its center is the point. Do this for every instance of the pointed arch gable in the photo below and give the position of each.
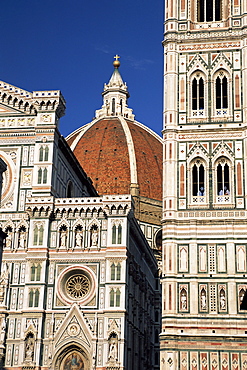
(93, 222)
(197, 64)
(21, 224)
(9, 223)
(63, 222)
(223, 150)
(78, 222)
(196, 151)
(74, 329)
(221, 62)
(31, 330)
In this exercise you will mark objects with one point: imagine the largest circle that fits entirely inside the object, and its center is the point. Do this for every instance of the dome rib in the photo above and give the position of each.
(131, 149)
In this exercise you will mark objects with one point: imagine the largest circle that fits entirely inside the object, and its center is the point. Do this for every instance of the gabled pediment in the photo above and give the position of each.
(74, 328)
(197, 63)
(198, 150)
(223, 149)
(221, 62)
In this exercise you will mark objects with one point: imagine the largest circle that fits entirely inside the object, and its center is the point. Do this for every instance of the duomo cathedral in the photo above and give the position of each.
(122, 249)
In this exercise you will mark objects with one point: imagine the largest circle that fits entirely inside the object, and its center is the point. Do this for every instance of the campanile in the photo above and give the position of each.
(204, 194)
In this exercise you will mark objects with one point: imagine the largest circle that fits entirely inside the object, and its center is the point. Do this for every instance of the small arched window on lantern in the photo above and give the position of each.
(113, 106)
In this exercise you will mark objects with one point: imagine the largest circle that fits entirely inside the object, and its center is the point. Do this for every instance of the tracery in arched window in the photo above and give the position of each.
(117, 298)
(118, 271)
(35, 272)
(197, 94)
(223, 181)
(38, 235)
(221, 92)
(198, 189)
(43, 153)
(117, 234)
(113, 271)
(42, 176)
(46, 153)
(33, 298)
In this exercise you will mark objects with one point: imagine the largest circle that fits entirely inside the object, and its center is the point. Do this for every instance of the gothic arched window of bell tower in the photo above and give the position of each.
(221, 92)
(223, 187)
(197, 94)
(209, 10)
(198, 179)
(224, 183)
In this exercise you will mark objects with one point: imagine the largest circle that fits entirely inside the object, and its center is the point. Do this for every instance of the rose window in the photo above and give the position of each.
(77, 286)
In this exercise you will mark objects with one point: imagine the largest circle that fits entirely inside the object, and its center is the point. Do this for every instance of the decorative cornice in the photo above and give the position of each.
(18, 101)
(215, 35)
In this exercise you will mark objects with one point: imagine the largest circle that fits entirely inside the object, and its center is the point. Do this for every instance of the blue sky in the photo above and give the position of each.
(70, 45)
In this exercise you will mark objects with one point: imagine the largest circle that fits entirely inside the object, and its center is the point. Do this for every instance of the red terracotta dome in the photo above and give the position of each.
(120, 155)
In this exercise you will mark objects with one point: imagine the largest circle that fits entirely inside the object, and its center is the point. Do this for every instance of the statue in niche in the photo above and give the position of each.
(8, 240)
(63, 237)
(3, 330)
(3, 326)
(78, 238)
(29, 347)
(222, 300)
(183, 299)
(107, 104)
(203, 300)
(113, 348)
(94, 237)
(4, 280)
(241, 296)
(22, 238)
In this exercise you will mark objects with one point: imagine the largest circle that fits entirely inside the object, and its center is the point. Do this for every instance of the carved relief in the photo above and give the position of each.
(27, 178)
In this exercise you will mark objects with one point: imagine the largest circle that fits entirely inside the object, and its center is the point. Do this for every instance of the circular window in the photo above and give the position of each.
(76, 284)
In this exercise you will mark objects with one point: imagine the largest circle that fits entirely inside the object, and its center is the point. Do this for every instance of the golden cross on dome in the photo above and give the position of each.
(116, 57)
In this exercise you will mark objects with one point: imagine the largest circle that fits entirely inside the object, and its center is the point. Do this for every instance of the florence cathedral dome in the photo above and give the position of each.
(119, 154)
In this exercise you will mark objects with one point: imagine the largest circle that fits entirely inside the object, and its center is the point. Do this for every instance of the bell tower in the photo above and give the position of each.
(204, 197)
